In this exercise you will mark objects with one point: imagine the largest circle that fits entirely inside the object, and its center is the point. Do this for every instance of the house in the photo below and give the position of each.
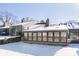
(13, 33)
(47, 35)
(73, 27)
(74, 32)
(42, 32)
(16, 29)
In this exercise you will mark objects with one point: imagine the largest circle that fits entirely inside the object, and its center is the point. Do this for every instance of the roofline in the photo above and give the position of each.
(44, 30)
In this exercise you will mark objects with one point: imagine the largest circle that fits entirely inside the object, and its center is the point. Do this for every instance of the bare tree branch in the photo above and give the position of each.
(7, 18)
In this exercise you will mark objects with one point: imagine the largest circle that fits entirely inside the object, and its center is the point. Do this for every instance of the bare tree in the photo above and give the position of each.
(1, 19)
(7, 18)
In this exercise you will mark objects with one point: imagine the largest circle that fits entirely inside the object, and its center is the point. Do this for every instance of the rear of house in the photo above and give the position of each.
(47, 35)
(42, 33)
(13, 33)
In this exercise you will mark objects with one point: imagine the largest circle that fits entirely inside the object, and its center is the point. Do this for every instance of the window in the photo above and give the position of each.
(63, 39)
(34, 36)
(77, 36)
(56, 36)
(30, 36)
(39, 36)
(44, 36)
(50, 39)
(25, 35)
(56, 39)
(50, 36)
(63, 34)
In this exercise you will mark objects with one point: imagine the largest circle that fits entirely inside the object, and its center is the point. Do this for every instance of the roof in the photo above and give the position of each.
(37, 26)
(23, 23)
(50, 28)
(73, 26)
(20, 24)
(7, 37)
(4, 27)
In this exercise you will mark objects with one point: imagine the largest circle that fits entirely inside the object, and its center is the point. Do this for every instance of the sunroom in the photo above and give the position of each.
(48, 35)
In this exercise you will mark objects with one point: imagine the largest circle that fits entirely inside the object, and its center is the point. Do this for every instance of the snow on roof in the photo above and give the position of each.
(57, 28)
(7, 37)
(37, 26)
(23, 23)
(4, 27)
(20, 23)
(73, 26)
(69, 26)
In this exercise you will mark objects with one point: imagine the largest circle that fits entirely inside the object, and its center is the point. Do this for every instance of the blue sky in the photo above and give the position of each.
(55, 12)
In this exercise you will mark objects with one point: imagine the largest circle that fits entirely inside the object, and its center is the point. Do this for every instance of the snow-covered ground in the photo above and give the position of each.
(25, 49)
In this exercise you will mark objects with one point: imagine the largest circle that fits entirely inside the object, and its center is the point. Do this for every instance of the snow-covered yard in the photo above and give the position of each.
(25, 49)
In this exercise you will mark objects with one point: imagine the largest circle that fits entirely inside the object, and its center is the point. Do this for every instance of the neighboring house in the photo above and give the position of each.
(73, 27)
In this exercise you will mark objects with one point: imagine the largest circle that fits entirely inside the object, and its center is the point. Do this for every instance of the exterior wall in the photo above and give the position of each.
(15, 30)
(47, 36)
(4, 32)
(26, 25)
(74, 34)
